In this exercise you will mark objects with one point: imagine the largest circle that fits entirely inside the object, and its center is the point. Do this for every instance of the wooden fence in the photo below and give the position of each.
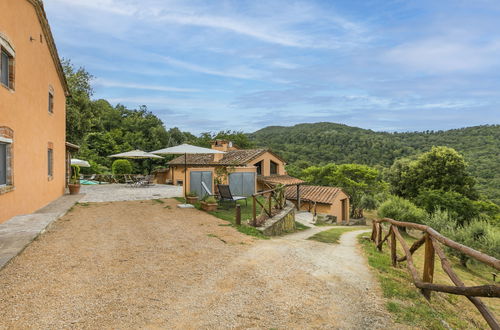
(274, 199)
(432, 241)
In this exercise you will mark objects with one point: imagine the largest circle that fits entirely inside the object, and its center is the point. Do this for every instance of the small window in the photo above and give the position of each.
(6, 68)
(274, 168)
(6, 175)
(50, 158)
(3, 164)
(51, 102)
(259, 167)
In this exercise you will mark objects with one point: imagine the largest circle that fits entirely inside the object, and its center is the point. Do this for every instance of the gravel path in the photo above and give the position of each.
(123, 192)
(145, 264)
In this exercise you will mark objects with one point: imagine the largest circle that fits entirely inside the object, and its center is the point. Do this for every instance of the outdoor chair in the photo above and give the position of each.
(147, 181)
(129, 180)
(207, 191)
(225, 194)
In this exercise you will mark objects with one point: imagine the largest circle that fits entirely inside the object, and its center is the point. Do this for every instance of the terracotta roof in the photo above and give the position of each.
(49, 39)
(319, 194)
(233, 157)
(283, 179)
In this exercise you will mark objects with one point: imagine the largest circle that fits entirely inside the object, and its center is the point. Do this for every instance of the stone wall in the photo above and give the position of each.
(282, 223)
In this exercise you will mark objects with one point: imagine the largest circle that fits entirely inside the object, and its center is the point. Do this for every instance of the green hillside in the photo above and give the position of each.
(321, 143)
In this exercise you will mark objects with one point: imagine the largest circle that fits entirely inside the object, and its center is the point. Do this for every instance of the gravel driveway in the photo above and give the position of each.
(146, 264)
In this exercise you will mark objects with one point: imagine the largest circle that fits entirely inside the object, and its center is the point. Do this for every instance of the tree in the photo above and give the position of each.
(441, 168)
(121, 166)
(401, 209)
(358, 181)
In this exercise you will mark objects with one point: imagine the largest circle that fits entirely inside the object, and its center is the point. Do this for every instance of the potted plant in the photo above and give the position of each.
(209, 204)
(74, 183)
(191, 197)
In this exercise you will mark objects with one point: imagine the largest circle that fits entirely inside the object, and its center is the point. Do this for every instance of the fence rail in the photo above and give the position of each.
(274, 200)
(432, 241)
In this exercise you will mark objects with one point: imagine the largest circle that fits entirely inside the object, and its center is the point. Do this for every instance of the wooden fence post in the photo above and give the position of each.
(428, 275)
(298, 197)
(373, 231)
(394, 256)
(238, 215)
(254, 211)
(270, 203)
(379, 234)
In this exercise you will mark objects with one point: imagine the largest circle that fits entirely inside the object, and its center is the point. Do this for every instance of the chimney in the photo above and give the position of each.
(221, 145)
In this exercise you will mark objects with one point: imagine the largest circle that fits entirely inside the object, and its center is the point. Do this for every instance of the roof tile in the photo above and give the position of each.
(319, 194)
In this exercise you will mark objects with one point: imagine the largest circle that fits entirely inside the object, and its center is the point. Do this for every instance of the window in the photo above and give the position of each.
(50, 158)
(274, 168)
(259, 167)
(4, 68)
(6, 63)
(3, 164)
(51, 101)
(6, 153)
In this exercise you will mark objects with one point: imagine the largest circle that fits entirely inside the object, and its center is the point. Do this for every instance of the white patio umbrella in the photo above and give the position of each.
(79, 162)
(185, 149)
(136, 154)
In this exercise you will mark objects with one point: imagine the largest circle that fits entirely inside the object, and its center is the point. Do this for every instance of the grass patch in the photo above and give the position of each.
(332, 235)
(299, 226)
(215, 236)
(158, 201)
(228, 213)
(408, 306)
(83, 204)
(180, 199)
(320, 223)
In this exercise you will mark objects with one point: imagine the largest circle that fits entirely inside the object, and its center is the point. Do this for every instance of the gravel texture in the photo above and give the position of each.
(123, 192)
(145, 264)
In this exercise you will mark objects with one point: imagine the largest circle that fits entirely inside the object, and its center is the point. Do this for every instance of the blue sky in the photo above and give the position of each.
(389, 65)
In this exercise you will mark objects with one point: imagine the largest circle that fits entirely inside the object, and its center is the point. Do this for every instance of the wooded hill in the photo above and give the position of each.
(320, 143)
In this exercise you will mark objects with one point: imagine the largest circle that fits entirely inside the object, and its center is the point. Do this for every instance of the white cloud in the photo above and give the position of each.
(441, 55)
(240, 72)
(161, 88)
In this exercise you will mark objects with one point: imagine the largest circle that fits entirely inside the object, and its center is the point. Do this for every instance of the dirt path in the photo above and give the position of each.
(147, 264)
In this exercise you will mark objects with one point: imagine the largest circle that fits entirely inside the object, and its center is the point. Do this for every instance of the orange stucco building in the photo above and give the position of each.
(33, 94)
(239, 168)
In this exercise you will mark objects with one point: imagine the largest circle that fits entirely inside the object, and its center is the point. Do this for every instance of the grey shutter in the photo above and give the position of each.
(206, 178)
(197, 177)
(236, 184)
(3, 164)
(195, 182)
(248, 184)
(242, 184)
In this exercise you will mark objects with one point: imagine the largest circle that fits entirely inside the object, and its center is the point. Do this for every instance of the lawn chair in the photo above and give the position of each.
(129, 180)
(225, 194)
(209, 193)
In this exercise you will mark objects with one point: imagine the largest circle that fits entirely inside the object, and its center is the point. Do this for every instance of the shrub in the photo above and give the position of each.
(121, 166)
(75, 177)
(210, 200)
(441, 221)
(479, 235)
(191, 194)
(400, 209)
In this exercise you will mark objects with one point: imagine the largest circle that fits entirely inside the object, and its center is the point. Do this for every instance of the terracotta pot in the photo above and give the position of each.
(74, 189)
(209, 206)
(191, 200)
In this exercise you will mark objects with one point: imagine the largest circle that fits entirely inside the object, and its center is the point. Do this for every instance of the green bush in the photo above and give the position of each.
(210, 200)
(75, 176)
(400, 209)
(479, 235)
(442, 221)
(191, 194)
(121, 166)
